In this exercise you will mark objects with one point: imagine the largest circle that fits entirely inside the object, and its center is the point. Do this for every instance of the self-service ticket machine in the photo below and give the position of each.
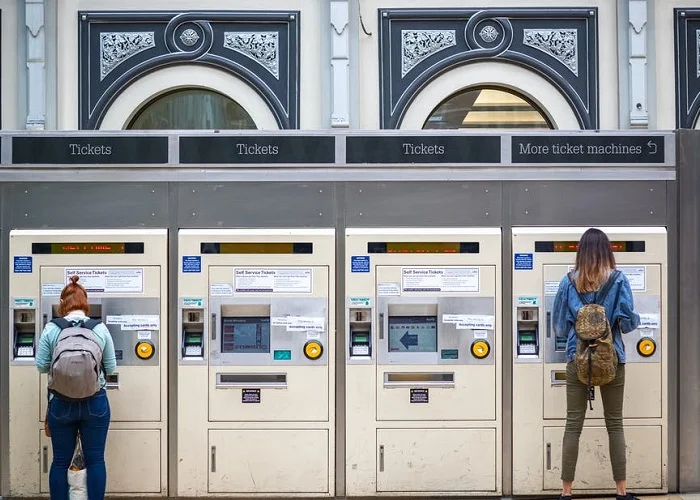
(125, 275)
(423, 376)
(542, 257)
(255, 377)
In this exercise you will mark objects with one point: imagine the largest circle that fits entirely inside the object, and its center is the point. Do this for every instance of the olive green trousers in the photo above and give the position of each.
(612, 395)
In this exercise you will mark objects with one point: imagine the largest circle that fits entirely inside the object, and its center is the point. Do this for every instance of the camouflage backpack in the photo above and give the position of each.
(596, 359)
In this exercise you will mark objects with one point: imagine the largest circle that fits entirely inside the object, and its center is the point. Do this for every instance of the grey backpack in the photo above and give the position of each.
(76, 361)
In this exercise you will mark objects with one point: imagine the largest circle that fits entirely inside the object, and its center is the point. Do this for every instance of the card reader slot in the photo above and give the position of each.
(558, 377)
(112, 381)
(251, 380)
(418, 379)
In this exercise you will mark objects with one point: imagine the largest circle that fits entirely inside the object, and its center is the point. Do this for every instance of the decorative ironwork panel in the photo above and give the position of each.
(687, 42)
(261, 48)
(417, 45)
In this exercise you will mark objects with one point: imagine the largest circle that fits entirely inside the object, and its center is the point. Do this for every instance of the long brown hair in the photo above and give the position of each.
(73, 298)
(594, 260)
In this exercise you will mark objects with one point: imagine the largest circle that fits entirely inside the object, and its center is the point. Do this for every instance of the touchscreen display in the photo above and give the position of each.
(245, 335)
(412, 333)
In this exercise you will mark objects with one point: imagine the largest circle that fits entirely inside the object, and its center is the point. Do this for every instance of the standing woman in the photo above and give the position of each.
(90, 415)
(594, 264)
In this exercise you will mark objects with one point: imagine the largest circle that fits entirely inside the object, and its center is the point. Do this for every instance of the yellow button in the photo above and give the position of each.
(480, 349)
(313, 349)
(145, 350)
(646, 347)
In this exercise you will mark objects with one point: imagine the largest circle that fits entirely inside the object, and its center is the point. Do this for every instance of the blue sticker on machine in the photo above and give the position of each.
(191, 264)
(23, 264)
(523, 262)
(359, 263)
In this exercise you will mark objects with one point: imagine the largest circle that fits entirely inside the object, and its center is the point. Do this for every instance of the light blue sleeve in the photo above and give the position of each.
(109, 360)
(44, 350)
(628, 319)
(562, 317)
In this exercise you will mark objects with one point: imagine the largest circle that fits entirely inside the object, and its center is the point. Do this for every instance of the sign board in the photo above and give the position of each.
(424, 149)
(82, 150)
(257, 149)
(588, 149)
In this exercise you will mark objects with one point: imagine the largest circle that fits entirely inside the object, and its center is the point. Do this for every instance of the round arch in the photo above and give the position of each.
(148, 87)
(493, 74)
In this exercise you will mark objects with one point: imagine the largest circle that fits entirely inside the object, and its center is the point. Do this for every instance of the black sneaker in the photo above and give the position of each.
(628, 496)
(564, 497)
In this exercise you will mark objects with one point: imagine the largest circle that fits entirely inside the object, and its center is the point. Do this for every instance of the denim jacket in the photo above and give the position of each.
(619, 305)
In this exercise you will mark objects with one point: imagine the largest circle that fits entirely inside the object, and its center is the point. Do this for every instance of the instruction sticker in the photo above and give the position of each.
(446, 279)
(23, 264)
(523, 262)
(108, 280)
(359, 264)
(360, 302)
(637, 276)
(51, 289)
(476, 322)
(133, 322)
(220, 290)
(419, 396)
(189, 302)
(551, 287)
(313, 335)
(144, 335)
(300, 323)
(23, 303)
(272, 280)
(481, 334)
(649, 321)
(528, 301)
(385, 289)
(191, 263)
(250, 396)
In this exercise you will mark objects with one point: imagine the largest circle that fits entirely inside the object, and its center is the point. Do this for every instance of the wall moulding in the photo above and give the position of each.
(418, 45)
(261, 48)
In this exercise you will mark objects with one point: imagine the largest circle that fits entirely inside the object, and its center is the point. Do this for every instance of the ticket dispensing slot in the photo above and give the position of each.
(559, 377)
(419, 379)
(528, 339)
(193, 333)
(237, 380)
(24, 333)
(360, 333)
(112, 381)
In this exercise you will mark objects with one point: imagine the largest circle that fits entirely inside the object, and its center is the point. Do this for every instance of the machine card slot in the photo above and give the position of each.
(231, 380)
(213, 326)
(112, 381)
(419, 379)
(558, 377)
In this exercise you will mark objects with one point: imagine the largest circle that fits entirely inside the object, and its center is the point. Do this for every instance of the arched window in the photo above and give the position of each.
(192, 109)
(487, 107)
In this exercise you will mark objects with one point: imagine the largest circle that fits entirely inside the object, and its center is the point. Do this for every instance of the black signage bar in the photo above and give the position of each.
(89, 150)
(257, 149)
(567, 149)
(424, 149)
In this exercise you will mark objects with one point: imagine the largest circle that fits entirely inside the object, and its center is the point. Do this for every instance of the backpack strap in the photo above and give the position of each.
(603, 292)
(90, 324)
(580, 295)
(62, 323)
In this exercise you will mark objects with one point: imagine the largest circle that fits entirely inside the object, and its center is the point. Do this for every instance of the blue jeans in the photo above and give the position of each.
(91, 418)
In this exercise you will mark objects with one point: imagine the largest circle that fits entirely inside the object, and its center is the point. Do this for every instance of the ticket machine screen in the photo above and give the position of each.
(412, 333)
(245, 334)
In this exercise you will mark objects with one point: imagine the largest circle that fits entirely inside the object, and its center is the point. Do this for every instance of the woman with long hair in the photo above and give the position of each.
(67, 417)
(595, 264)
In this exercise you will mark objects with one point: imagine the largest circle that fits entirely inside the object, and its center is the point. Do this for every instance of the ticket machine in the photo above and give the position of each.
(256, 384)
(542, 257)
(125, 275)
(423, 375)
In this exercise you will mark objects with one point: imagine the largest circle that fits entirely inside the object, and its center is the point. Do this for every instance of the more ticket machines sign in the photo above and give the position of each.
(381, 149)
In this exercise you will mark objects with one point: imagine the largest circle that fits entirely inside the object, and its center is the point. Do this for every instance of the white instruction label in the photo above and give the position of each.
(649, 321)
(190, 302)
(446, 279)
(551, 287)
(313, 335)
(300, 323)
(144, 335)
(135, 321)
(272, 280)
(220, 290)
(384, 289)
(108, 280)
(476, 321)
(637, 276)
(52, 289)
(646, 333)
(481, 334)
